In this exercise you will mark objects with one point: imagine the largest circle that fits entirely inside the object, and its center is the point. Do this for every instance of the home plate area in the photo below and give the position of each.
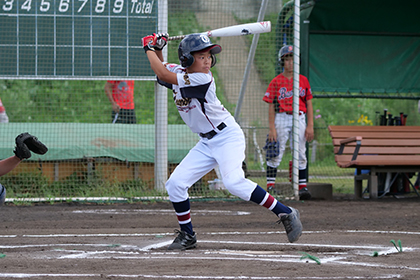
(234, 242)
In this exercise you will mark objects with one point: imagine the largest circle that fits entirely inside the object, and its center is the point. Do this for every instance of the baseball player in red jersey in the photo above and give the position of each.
(279, 96)
(3, 116)
(222, 141)
(121, 96)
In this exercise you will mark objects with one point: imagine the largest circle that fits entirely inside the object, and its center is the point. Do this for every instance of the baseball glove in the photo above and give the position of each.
(2, 194)
(272, 149)
(25, 143)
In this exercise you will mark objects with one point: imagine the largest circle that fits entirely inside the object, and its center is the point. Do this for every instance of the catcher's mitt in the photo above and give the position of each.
(272, 149)
(2, 194)
(25, 143)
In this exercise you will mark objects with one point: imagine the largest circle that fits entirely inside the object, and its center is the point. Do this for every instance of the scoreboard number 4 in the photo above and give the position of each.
(135, 7)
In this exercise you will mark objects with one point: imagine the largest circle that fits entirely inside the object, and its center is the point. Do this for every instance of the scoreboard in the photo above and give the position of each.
(75, 39)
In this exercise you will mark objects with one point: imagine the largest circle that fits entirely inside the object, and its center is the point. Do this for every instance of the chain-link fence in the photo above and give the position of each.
(75, 75)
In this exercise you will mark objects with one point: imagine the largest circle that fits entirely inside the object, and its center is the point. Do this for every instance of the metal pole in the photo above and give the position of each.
(296, 72)
(251, 56)
(161, 112)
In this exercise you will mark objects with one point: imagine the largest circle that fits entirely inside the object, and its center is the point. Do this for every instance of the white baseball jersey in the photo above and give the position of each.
(197, 103)
(196, 100)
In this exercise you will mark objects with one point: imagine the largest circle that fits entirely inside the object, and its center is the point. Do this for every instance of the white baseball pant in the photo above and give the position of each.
(226, 149)
(284, 127)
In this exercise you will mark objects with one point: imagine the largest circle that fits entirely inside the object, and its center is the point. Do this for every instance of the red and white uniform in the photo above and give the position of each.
(199, 107)
(280, 92)
(3, 116)
(123, 93)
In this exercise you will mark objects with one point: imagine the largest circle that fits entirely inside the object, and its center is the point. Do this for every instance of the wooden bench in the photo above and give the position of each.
(381, 149)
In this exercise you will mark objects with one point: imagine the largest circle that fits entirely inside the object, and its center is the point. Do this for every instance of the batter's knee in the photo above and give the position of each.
(176, 190)
(238, 185)
(169, 186)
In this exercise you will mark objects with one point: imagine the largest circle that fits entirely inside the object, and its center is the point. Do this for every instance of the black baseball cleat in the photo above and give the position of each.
(292, 224)
(183, 241)
(304, 194)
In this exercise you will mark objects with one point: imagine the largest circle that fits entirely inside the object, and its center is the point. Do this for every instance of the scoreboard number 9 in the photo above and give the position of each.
(98, 6)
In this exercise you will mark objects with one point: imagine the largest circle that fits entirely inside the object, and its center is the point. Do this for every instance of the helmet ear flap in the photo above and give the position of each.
(186, 60)
(213, 60)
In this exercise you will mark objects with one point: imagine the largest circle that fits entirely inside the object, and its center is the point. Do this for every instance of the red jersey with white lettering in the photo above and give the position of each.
(123, 93)
(280, 92)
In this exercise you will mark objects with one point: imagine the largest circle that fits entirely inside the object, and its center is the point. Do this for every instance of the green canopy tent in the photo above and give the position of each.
(357, 47)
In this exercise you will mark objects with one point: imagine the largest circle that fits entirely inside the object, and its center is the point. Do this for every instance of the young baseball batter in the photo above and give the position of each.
(221, 142)
(279, 96)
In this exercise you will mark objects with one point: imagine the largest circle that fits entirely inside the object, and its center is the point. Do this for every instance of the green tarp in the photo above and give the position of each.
(125, 142)
(357, 45)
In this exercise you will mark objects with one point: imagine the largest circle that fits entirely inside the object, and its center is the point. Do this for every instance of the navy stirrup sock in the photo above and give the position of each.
(261, 197)
(182, 210)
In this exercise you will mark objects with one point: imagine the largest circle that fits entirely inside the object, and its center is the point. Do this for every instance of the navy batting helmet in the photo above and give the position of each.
(285, 50)
(2, 194)
(193, 43)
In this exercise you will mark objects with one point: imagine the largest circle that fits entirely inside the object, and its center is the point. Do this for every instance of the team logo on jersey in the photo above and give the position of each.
(183, 102)
(187, 79)
(284, 93)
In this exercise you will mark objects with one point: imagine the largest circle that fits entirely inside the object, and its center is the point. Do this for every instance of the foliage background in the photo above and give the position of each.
(84, 101)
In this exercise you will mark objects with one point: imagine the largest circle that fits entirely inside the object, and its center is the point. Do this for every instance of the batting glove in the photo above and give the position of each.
(160, 40)
(147, 43)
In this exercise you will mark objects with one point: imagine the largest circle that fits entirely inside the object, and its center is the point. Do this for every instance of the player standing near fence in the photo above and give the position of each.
(222, 141)
(279, 96)
(121, 96)
(3, 116)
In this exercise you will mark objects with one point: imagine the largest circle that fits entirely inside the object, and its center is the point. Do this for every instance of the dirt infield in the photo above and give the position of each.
(236, 240)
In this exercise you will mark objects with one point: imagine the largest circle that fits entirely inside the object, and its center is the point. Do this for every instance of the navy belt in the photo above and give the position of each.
(212, 133)
(291, 113)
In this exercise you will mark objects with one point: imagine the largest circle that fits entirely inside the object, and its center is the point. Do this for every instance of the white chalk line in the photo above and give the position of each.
(160, 212)
(341, 260)
(165, 243)
(99, 198)
(204, 233)
(249, 256)
(244, 255)
(119, 276)
(162, 244)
